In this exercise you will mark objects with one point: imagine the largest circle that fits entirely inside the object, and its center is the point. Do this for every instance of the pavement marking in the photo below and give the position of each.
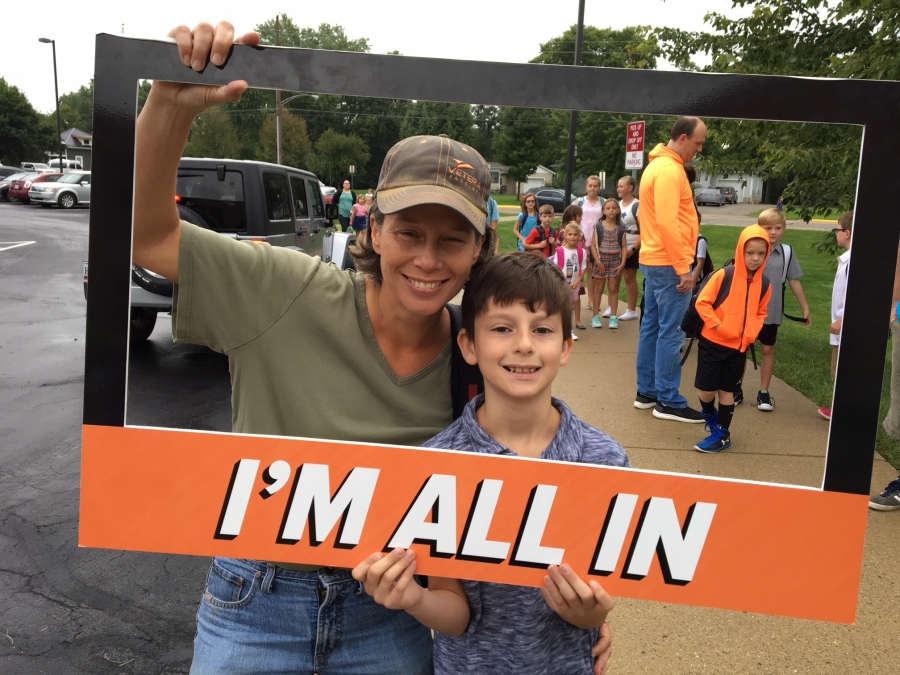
(6, 245)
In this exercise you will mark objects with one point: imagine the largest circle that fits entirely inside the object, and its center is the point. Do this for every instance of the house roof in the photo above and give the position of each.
(74, 138)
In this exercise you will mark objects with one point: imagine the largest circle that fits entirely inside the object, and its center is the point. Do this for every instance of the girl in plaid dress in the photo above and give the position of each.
(609, 254)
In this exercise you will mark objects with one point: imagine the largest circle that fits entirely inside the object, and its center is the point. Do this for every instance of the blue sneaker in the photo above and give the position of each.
(889, 500)
(718, 440)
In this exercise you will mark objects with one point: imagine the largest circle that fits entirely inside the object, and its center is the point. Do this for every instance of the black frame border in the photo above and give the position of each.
(874, 105)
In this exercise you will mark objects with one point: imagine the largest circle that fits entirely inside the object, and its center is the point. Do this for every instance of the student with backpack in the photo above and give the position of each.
(629, 205)
(782, 266)
(608, 252)
(732, 306)
(542, 239)
(592, 207)
(570, 259)
(527, 220)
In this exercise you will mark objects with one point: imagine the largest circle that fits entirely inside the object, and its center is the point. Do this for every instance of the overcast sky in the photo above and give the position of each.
(464, 29)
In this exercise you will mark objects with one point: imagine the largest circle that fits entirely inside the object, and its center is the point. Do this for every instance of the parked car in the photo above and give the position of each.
(6, 182)
(19, 189)
(710, 196)
(8, 171)
(67, 165)
(551, 196)
(730, 194)
(327, 192)
(244, 200)
(71, 189)
(35, 166)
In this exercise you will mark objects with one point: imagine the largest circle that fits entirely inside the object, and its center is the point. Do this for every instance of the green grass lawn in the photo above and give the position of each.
(790, 214)
(506, 200)
(803, 355)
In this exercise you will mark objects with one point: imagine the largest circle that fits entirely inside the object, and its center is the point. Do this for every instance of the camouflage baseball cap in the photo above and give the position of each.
(435, 170)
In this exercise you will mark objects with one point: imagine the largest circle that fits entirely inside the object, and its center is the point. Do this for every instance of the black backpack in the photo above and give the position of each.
(707, 262)
(692, 324)
(466, 381)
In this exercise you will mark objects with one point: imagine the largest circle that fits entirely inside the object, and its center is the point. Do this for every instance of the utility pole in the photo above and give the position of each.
(277, 100)
(573, 119)
(56, 90)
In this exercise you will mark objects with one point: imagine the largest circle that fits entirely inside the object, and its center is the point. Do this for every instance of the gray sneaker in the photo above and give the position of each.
(889, 500)
(686, 414)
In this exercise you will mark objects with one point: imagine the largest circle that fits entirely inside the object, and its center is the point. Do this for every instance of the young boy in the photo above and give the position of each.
(838, 292)
(732, 310)
(541, 239)
(781, 266)
(517, 323)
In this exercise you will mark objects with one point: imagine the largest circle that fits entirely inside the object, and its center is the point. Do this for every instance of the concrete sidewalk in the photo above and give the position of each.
(783, 446)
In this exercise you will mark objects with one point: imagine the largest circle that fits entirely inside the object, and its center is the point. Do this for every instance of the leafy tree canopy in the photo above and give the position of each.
(296, 148)
(24, 133)
(336, 152)
(435, 118)
(325, 36)
(847, 38)
(626, 48)
(213, 135)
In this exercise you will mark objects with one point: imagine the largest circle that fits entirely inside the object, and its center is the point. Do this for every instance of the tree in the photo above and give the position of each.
(296, 148)
(522, 141)
(24, 133)
(626, 48)
(213, 135)
(433, 118)
(847, 38)
(487, 123)
(377, 122)
(336, 152)
(76, 109)
(325, 36)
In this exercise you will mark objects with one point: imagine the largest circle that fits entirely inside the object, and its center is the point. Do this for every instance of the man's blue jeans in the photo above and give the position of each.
(257, 618)
(659, 346)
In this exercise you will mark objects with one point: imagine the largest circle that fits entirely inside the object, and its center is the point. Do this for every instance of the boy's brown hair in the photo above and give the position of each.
(846, 221)
(772, 216)
(520, 276)
(546, 208)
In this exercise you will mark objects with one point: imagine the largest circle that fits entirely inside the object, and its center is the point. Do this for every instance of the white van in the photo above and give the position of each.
(67, 164)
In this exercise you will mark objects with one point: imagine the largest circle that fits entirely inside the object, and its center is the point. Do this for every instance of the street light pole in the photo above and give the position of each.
(56, 90)
(277, 102)
(573, 119)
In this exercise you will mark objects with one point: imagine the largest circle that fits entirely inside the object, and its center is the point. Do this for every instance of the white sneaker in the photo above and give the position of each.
(629, 315)
(607, 313)
(574, 337)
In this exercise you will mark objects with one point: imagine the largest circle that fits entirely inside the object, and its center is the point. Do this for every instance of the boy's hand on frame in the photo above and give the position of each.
(388, 578)
(582, 605)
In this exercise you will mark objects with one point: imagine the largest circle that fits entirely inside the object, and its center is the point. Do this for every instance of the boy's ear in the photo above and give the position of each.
(467, 347)
(566, 351)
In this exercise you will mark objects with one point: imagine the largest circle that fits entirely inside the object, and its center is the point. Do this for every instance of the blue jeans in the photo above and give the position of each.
(256, 618)
(659, 346)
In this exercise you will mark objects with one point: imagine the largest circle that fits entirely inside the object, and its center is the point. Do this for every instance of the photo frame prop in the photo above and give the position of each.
(785, 550)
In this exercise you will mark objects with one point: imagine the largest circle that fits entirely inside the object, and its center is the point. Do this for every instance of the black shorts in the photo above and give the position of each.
(769, 334)
(718, 368)
(633, 261)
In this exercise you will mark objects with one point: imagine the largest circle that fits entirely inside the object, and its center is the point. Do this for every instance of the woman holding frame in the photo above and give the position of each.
(384, 331)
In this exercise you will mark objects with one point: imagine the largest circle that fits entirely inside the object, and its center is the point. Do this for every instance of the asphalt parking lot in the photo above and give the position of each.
(64, 609)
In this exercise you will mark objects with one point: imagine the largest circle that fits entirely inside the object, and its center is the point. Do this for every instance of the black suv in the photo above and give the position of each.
(249, 200)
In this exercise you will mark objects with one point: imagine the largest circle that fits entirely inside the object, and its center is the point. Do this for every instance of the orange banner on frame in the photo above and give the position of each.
(728, 544)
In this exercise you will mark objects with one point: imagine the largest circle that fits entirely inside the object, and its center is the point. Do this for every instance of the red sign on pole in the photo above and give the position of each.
(634, 146)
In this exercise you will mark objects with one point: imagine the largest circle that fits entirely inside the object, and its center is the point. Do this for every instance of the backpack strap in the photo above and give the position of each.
(466, 381)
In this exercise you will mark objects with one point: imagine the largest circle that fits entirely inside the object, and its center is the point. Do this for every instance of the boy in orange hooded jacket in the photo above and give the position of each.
(732, 306)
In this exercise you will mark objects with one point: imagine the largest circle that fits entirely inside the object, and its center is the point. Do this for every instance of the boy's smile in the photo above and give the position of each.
(518, 351)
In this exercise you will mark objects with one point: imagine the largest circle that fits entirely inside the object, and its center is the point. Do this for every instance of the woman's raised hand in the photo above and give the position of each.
(196, 48)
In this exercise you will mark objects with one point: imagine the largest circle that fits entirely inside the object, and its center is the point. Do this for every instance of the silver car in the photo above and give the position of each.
(72, 189)
(711, 196)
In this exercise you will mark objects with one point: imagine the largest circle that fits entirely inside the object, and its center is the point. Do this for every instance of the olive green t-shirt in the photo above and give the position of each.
(301, 349)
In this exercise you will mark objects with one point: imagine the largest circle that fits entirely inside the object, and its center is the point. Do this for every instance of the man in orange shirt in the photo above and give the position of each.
(669, 229)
